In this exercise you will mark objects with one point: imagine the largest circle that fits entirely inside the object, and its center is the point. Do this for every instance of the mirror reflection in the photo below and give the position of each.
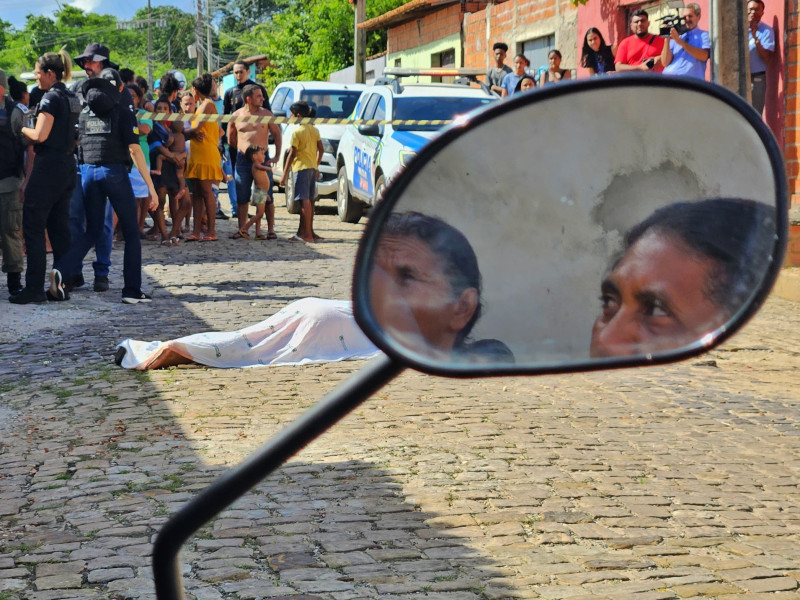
(426, 290)
(559, 231)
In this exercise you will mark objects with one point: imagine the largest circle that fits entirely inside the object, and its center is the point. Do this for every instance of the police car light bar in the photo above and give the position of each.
(434, 72)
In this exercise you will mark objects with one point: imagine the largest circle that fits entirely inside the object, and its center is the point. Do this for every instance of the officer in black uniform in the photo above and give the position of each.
(11, 179)
(109, 144)
(49, 187)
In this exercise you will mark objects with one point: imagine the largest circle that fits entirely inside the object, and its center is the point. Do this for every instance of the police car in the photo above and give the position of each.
(331, 101)
(369, 156)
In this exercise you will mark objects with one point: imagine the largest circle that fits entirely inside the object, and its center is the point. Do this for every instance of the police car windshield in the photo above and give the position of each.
(433, 109)
(331, 104)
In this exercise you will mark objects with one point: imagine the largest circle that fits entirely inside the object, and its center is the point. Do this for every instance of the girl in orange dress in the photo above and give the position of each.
(204, 167)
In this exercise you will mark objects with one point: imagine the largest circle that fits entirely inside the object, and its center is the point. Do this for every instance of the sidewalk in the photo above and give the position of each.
(666, 482)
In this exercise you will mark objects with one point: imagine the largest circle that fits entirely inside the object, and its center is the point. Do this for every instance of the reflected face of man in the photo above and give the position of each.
(412, 297)
(655, 299)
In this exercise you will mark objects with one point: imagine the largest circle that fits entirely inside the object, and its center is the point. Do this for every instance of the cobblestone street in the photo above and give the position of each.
(666, 482)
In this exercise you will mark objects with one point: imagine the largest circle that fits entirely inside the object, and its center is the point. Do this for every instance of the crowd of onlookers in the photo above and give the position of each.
(83, 163)
(122, 172)
(683, 50)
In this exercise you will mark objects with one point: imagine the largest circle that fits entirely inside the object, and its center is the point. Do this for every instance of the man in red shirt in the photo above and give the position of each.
(642, 50)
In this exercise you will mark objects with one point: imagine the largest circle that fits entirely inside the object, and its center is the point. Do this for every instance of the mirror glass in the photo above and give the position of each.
(574, 227)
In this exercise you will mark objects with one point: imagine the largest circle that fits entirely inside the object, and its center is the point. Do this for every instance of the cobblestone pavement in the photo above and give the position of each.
(666, 482)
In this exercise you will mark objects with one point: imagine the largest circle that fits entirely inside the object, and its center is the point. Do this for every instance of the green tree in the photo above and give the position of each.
(308, 39)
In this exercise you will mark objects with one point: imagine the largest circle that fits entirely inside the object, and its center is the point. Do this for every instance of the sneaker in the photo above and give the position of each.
(221, 215)
(27, 296)
(139, 298)
(57, 292)
(77, 281)
(100, 283)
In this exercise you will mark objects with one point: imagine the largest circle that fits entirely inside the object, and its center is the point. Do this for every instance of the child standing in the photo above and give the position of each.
(261, 195)
(303, 159)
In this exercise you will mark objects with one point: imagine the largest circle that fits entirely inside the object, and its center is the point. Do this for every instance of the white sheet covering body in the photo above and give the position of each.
(311, 330)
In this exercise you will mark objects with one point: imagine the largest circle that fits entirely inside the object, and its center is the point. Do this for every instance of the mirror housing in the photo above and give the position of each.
(369, 130)
(548, 188)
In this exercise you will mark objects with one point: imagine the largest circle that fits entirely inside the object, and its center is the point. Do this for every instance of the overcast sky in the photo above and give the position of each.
(15, 11)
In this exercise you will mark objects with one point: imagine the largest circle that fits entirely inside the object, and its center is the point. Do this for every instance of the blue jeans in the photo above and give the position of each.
(77, 227)
(112, 182)
(244, 179)
(227, 168)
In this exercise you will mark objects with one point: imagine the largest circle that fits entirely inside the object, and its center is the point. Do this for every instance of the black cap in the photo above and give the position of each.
(96, 52)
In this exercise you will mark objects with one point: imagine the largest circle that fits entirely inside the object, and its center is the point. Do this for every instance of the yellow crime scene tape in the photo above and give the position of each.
(282, 120)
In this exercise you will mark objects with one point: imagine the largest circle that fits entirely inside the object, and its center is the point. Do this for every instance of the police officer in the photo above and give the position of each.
(51, 180)
(109, 143)
(94, 59)
(11, 179)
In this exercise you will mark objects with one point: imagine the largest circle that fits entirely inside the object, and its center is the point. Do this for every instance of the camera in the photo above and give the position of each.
(670, 21)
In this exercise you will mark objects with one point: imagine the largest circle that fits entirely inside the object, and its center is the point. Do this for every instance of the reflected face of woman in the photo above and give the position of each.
(519, 65)
(594, 41)
(527, 84)
(412, 297)
(554, 60)
(655, 299)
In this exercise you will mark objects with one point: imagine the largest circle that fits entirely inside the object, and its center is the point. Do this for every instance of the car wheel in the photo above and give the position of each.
(292, 205)
(379, 185)
(349, 209)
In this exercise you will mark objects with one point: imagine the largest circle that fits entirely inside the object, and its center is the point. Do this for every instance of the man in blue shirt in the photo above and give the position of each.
(687, 53)
(762, 47)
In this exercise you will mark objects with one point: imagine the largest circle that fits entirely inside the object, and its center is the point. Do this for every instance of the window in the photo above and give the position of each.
(444, 59)
(536, 51)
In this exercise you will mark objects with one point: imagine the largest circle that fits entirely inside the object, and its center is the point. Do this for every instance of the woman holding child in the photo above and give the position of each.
(204, 166)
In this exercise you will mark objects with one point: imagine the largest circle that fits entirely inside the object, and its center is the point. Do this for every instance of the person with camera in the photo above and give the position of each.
(688, 50)
(642, 50)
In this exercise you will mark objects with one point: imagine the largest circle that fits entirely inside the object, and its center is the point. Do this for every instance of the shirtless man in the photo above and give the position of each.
(242, 135)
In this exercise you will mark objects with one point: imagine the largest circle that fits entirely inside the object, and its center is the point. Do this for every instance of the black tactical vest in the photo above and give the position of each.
(10, 145)
(101, 142)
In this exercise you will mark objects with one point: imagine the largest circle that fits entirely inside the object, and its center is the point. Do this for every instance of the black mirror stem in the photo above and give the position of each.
(238, 481)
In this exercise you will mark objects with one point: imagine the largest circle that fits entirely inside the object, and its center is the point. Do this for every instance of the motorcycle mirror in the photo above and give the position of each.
(609, 222)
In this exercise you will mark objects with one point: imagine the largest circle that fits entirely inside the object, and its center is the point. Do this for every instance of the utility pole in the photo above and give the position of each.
(198, 37)
(149, 22)
(360, 41)
(149, 48)
(730, 46)
(209, 67)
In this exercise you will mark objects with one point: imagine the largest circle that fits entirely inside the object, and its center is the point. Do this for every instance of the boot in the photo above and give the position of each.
(14, 283)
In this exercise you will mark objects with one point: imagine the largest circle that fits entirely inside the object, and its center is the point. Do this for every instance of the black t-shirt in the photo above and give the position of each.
(54, 103)
(233, 101)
